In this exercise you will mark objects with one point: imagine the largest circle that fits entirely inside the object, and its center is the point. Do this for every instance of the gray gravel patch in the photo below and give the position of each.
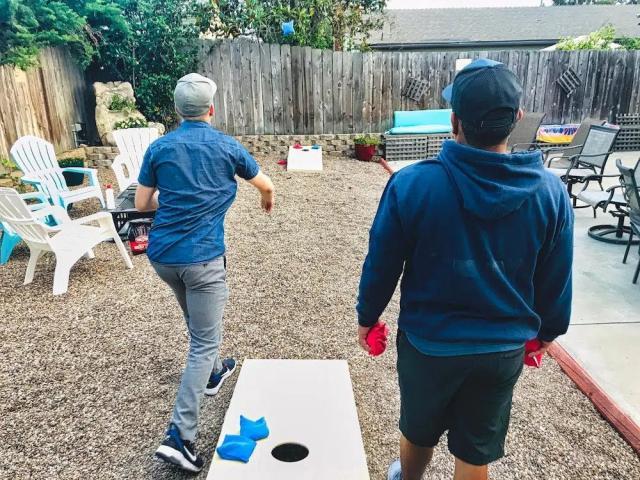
(88, 379)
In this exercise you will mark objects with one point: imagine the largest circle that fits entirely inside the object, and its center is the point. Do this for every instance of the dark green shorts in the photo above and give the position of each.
(470, 396)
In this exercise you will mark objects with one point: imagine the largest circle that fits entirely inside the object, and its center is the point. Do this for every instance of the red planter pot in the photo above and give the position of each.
(365, 152)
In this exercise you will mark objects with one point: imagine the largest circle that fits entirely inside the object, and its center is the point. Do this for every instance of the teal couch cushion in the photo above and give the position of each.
(420, 129)
(421, 117)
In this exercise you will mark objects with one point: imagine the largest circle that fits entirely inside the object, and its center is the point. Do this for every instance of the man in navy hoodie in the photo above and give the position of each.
(484, 242)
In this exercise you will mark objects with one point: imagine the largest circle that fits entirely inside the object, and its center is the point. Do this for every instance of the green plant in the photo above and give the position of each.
(366, 140)
(601, 39)
(72, 178)
(119, 103)
(629, 43)
(131, 122)
(71, 162)
(10, 175)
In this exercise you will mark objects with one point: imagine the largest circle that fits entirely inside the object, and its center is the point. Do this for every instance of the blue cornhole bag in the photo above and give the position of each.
(236, 447)
(253, 429)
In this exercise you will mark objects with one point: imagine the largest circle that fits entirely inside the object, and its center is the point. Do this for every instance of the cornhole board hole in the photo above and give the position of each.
(305, 159)
(307, 403)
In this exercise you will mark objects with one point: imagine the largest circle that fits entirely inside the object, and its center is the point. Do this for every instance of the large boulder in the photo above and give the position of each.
(107, 118)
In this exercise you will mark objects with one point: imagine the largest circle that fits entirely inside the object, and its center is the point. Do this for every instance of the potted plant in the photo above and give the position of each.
(366, 147)
(72, 178)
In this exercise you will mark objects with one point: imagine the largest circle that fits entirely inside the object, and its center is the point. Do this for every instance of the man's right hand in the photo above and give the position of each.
(265, 186)
(267, 201)
(544, 346)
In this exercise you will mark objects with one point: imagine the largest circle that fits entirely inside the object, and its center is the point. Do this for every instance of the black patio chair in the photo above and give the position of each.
(525, 131)
(590, 162)
(604, 200)
(631, 188)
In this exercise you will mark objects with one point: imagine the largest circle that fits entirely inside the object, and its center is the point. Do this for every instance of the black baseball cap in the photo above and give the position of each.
(485, 93)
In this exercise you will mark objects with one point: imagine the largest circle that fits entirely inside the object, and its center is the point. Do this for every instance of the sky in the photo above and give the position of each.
(463, 3)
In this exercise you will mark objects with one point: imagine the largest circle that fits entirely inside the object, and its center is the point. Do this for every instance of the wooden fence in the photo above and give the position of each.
(279, 89)
(44, 101)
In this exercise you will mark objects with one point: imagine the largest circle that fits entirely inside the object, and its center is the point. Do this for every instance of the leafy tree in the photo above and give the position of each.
(149, 43)
(336, 24)
(26, 26)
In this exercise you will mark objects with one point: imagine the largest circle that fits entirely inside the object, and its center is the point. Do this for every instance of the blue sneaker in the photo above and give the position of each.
(395, 471)
(179, 452)
(217, 379)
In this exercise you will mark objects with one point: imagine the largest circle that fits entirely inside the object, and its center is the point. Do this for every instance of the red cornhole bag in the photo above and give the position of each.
(377, 339)
(532, 346)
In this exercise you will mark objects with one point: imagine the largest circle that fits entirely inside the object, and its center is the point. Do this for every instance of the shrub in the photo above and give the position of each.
(121, 104)
(366, 140)
(131, 122)
(8, 177)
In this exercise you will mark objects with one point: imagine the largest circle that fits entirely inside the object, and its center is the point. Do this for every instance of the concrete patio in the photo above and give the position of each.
(605, 325)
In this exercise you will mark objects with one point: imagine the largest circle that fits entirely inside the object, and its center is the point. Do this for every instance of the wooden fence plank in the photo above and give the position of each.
(359, 88)
(327, 91)
(348, 88)
(245, 82)
(337, 82)
(256, 87)
(316, 72)
(297, 78)
(287, 89)
(276, 78)
(309, 115)
(369, 91)
(267, 88)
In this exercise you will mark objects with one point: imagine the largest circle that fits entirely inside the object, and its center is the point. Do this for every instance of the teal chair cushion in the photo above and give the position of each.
(422, 117)
(420, 129)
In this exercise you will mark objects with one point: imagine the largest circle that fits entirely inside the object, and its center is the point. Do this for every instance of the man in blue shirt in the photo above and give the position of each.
(189, 177)
(483, 240)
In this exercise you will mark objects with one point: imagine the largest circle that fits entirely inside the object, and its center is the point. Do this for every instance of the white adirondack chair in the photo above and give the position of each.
(69, 240)
(132, 143)
(37, 160)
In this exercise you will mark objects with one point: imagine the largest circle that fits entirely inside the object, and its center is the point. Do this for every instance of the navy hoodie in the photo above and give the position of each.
(484, 243)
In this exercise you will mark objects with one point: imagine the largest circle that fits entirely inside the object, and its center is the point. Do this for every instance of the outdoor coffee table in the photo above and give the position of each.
(125, 210)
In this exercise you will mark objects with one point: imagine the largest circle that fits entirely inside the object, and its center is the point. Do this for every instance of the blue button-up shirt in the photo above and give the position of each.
(194, 170)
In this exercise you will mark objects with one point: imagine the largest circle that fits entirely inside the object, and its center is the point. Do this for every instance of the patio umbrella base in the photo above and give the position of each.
(618, 235)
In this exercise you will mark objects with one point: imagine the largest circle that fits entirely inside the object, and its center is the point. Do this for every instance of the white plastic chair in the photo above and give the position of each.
(132, 143)
(69, 240)
(37, 160)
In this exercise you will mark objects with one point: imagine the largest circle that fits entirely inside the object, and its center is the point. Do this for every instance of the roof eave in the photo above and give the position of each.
(462, 44)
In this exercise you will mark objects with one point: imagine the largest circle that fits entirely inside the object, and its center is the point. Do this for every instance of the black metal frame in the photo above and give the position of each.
(630, 187)
(609, 233)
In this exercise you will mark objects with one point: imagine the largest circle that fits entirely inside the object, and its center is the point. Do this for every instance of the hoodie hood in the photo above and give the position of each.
(491, 185)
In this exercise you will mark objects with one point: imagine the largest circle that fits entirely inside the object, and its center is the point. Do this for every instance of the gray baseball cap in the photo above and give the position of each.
(194, 95)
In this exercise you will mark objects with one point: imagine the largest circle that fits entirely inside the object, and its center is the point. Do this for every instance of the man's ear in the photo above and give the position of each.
(211, 110)
(455, 124)
(519, 115)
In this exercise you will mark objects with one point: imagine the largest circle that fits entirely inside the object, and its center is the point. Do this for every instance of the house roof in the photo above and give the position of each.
(517, 25)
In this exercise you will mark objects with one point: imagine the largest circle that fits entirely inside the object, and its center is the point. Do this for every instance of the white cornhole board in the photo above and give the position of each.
(309, 402)
(300, 160)
(400, 164)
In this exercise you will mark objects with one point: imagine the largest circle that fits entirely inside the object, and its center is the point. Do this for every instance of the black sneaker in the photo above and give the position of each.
(217, 379)
(179, 452)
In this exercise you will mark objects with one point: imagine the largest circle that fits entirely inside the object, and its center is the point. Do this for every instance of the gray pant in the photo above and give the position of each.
(202, 293)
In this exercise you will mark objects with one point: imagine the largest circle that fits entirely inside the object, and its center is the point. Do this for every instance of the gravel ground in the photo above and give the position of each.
(88, 379)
